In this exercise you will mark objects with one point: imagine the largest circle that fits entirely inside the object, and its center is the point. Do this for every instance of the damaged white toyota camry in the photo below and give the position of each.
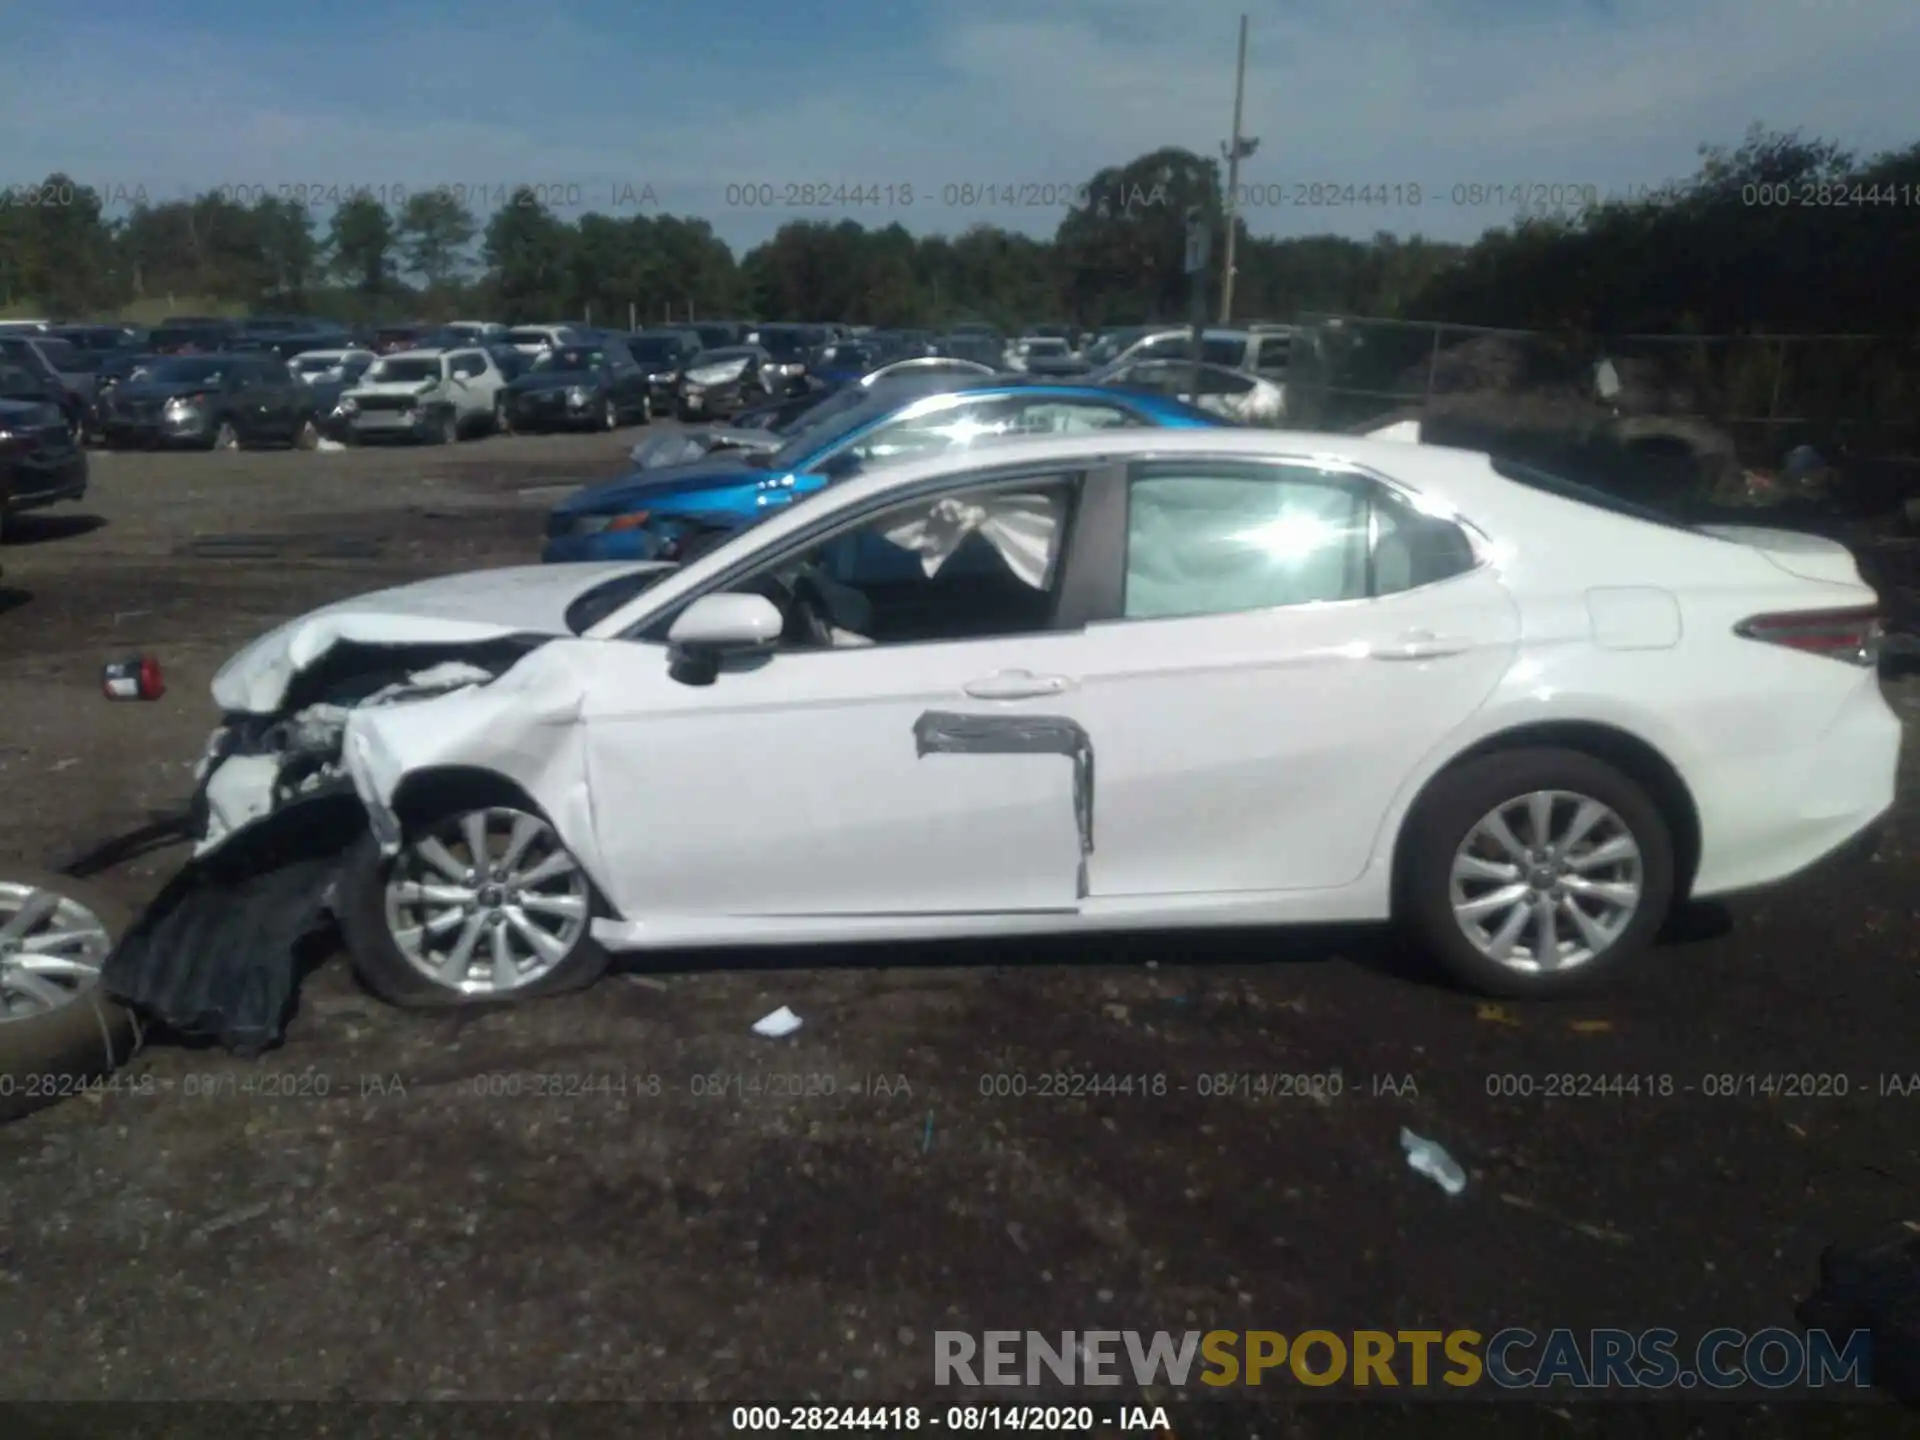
(1136, 679)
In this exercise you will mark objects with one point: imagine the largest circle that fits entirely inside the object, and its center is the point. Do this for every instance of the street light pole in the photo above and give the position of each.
(1235, 150)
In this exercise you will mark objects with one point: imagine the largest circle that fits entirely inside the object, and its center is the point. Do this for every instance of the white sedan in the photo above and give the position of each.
(1135, 679)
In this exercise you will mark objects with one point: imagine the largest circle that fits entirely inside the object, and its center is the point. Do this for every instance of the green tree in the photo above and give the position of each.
(434, 230)
(361, 239)
(526, 250)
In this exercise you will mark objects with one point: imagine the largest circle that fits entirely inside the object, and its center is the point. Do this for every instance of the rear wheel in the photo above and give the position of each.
(479, 907)
(57, 1026)
(1536, 873)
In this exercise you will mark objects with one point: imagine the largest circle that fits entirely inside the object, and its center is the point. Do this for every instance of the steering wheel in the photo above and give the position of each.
(810, 613)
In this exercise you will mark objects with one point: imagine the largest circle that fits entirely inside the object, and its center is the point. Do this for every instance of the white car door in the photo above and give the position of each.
(918, 765)
(1288, 643)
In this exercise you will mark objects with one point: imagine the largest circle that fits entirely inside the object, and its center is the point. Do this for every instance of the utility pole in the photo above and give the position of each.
(1235, 150)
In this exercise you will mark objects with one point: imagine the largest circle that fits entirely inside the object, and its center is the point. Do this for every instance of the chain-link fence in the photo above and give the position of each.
(1768, 393)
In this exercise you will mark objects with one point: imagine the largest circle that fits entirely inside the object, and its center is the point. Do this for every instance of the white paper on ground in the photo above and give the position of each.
(781, 1022)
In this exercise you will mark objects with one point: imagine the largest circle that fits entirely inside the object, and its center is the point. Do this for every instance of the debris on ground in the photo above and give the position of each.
(1430, 1158)
(1497, 1015)
(779, 1023)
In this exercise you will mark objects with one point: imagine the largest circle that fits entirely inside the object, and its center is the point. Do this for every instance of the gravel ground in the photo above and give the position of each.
(383, 1209)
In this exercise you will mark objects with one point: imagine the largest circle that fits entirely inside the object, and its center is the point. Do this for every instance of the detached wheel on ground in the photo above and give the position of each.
(1535, 873)
(479, 907)
(57, 1027)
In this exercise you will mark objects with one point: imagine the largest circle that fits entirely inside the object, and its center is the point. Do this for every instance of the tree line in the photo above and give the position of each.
(1778, 234)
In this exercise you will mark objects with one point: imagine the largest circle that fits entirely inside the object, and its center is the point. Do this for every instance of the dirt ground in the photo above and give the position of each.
(383, 1209)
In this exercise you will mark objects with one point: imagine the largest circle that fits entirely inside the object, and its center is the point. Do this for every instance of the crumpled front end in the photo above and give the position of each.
(279, 801)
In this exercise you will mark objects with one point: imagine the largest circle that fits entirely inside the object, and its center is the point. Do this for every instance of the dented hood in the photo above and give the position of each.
(470, 608)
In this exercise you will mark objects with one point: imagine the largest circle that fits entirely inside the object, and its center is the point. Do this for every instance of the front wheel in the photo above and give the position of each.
(479, 907)
(447, 430)
(609, 414)
(1536, 873)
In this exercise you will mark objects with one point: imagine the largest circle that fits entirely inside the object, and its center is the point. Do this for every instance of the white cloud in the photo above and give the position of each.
(995, 92)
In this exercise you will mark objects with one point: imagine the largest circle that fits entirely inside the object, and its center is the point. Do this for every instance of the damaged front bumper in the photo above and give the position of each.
(278, 804)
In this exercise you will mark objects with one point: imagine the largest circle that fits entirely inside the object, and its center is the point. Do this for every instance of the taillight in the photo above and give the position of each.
(1852, 635)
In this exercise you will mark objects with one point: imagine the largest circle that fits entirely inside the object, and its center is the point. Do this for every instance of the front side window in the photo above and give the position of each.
(469, 367)
(970, 564)
(1218, 538)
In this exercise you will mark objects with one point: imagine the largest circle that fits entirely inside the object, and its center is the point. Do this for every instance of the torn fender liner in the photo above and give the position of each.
(216, 955)
(946, 732)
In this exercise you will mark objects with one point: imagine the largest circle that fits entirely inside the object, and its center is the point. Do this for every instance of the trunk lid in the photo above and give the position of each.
(1803, 556)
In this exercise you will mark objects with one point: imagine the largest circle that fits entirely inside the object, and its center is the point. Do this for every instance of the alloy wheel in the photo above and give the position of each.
(1546, 881)
(487, 903)
(51, 951)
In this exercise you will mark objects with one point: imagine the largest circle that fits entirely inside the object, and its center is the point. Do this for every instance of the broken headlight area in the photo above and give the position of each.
(219, 954)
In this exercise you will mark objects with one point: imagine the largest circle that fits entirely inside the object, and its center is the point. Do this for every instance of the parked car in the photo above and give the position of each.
(67, 371)
(661, 512)
(98, 339)
(719, 383)
(789, 349)
(191, 337)
(113, 368)
(461, 334)
(209, 402)
(1265, 353)
(399, 339)
(530, 340)
(597, 386)
(328, 375)
(1235, 394)
(441, 396)
(843, 363)
(663, 354)
(41, 462)
(1126, 680)
(720, 334)
(1044, 355)
(25, 327)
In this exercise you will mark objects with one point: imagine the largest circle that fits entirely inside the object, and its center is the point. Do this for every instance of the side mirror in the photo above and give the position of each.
(715, 627)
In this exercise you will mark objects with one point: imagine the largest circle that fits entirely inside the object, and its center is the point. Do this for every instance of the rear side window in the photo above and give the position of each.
(1411, 549)
(1565, 489)
(1219, 538)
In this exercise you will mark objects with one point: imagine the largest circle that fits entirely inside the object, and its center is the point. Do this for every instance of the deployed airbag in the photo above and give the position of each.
(945, 732)
(1023, 528)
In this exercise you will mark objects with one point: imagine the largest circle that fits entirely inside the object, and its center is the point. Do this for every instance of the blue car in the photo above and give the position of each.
(654, 514)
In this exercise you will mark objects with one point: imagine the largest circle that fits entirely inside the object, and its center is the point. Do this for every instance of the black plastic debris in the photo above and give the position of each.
(219, 953)
(1874, 1287)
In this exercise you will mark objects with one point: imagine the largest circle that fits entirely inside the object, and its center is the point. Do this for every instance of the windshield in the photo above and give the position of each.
(182, 372)
(653, 351)
(571, 357)
(1046, 347)
(529, 337)
(783, 344)
(404, 372)
(601, 601)
(821, 432)
(16, 382)
(707, 358)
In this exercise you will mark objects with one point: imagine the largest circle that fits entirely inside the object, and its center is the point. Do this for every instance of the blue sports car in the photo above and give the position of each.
(659, 514)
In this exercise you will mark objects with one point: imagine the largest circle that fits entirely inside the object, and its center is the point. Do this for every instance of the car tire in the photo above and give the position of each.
(47, 1055)
(502, 416)
(1458, 883)
(396, 950)
(447, 429)
(646, 409)
(609, 414)
(225, 437)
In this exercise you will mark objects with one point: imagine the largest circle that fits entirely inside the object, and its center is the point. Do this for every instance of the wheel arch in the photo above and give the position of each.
(423, 795)
(1635, 757)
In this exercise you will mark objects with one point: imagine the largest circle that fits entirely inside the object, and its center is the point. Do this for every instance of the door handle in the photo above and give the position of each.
(1016, 685)
(1423, 645)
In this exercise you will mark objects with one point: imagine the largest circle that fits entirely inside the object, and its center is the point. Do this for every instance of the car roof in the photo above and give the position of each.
(432, 353)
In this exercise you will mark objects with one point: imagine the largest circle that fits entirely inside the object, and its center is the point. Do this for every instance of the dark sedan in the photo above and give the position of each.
(724, 382)
(663, 354)
(596, 386)
(209, 402)
(40, 462)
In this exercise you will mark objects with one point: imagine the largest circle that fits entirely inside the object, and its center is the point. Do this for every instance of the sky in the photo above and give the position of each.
(889, 112)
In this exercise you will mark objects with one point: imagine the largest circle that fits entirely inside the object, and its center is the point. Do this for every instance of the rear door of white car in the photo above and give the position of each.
(932, 770)
(1284, 644)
